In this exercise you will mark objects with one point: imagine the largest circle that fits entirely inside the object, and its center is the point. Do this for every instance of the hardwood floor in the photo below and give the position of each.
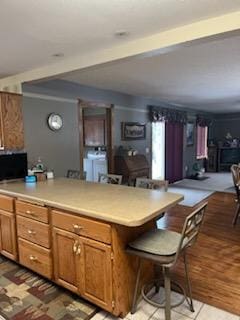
(214, 261)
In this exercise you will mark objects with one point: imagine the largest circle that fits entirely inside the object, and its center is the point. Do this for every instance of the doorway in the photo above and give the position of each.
(95, 139)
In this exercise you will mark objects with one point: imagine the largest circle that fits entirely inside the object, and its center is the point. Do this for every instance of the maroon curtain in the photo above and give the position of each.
(174, 151)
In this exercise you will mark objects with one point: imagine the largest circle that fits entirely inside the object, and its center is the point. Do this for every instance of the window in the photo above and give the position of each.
(202, 150)
(158, 150)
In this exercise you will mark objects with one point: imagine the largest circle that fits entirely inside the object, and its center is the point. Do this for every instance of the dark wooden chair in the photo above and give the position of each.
(235, 170)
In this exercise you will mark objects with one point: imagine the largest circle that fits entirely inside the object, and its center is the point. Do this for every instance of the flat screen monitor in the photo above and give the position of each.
(13, 166)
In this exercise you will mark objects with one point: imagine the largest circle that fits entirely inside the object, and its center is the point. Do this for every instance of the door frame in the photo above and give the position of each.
(83, 104)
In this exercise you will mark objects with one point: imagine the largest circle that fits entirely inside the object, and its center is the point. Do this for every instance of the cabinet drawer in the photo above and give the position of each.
(33, 231)
(32, 211)
(35, 258)
(6, 203)
(82, 226)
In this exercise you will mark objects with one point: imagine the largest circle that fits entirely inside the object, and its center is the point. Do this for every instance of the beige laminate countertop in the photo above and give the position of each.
(123, 205)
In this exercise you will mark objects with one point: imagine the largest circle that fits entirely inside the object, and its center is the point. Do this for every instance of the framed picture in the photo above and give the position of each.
(190, 134)
(133, 131)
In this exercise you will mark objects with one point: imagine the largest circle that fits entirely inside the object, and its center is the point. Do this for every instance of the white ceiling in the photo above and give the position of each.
(31, 31)
(203, 76)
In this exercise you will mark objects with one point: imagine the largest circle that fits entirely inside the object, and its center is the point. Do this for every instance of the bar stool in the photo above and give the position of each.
(163, 247)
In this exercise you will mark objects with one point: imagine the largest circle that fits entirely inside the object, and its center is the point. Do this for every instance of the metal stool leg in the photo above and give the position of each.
(134, 302)
(157, 273)
(236, 214)
(189, 301)
(167, 285)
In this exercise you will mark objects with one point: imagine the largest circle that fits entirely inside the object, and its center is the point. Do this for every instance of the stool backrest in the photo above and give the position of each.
(75, 174)
(235, 169)
(152, 184)
(191, 229)
(109, 178)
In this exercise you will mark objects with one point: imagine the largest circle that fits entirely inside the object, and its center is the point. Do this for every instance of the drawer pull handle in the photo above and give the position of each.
(33, 258)
(31, 232)
(31, 213)
(78, 250)
(77, 228)
(75, 246)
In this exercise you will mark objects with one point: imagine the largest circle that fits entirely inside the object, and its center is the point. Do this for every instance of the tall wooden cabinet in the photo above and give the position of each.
(11, 121)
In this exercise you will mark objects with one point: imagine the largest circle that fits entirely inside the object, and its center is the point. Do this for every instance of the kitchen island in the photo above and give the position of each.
(75, 233)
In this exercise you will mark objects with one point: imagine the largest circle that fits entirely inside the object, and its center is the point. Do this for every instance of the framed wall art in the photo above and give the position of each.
(133, 131)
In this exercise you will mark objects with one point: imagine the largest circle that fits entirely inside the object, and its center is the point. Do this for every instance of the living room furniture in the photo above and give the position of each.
(163, 248)
(227, 156)
(235, 169)
(211, 161)
(132, 167)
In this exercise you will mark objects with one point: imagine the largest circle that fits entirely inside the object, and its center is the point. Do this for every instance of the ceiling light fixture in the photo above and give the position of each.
(58, 55)
(121, 33)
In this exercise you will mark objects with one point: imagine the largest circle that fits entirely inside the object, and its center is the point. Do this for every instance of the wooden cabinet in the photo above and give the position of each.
(211, 162)
(94, 130)
(96, 272)
(34, 240)
(8, 235)
(11, 122)
(132, 167)
(81, 264)
(8, 245)
(66, 261)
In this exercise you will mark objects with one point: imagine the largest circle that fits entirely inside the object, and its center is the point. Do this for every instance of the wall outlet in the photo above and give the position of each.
(147, 150)
(186, 168)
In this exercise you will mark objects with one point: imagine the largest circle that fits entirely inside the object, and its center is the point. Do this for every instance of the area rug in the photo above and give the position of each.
(220, 181)
(26, 296)
(191, 196)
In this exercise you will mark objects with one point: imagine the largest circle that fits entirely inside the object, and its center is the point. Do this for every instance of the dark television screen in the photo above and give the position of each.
(13, 166)
(230, 155)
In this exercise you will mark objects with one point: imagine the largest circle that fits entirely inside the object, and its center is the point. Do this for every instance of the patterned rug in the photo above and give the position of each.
(26, 296)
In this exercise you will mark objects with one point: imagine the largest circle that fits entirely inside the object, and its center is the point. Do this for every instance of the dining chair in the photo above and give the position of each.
(75, 174)
(109, 178)
(152, 184)
(163, 248)
(235, 170)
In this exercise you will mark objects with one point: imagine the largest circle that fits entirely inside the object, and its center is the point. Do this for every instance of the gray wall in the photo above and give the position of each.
(58, 150)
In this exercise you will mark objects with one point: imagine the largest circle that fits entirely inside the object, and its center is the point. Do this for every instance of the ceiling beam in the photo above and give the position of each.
(156, 43)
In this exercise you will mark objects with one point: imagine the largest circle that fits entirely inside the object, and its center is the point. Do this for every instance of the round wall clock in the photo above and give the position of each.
(55, 121)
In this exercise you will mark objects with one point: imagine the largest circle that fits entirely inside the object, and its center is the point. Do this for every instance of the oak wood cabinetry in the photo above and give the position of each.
(34, 241)
(82, 254)
(90, 260)
(11, 121)
(94, 130)
(8, 245)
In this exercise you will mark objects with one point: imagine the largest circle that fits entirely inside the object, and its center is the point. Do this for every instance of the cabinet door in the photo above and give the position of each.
(94, 131)
(11, 108)
(96, 273)
(1, 124)
(66, 259)
(8, 235)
